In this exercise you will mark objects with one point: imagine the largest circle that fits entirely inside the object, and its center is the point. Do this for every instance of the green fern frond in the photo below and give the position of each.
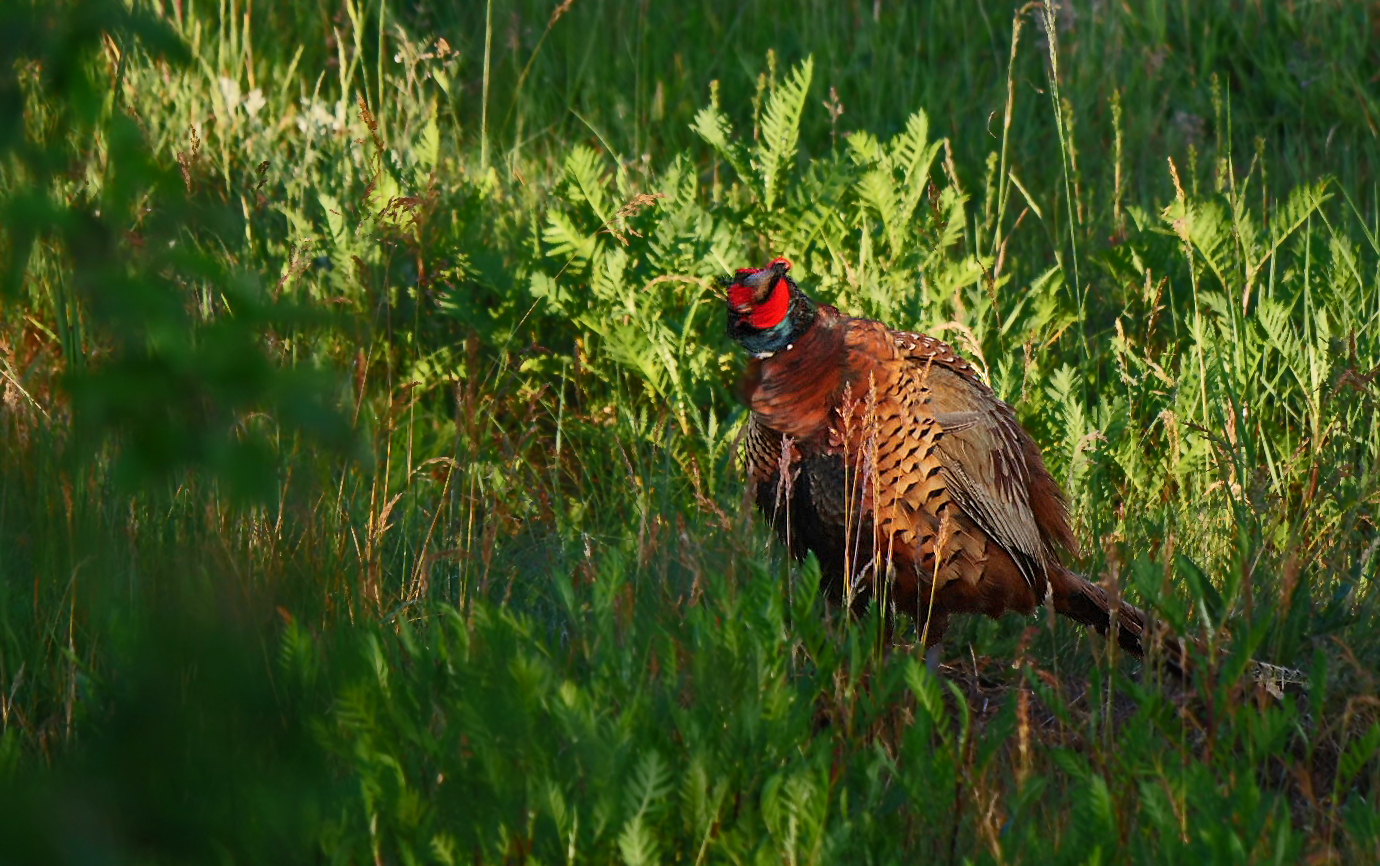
(1273, 318)
(781, 130)
(566, 242)
(584, 172)
(712, 125)
(1302, 202)
(914, 154)
(878, 194)
(637, 844)
(816, 211)
(650, 783)
(297, 654)
(865, 149)
(1206, 227)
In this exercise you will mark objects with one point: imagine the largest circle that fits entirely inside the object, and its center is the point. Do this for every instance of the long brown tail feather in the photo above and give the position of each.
(1089, 604)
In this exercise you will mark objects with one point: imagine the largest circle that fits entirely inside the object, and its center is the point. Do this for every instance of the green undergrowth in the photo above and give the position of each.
(369, 488)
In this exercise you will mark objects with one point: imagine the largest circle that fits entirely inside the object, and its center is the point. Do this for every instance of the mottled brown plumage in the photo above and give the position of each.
(886, 455)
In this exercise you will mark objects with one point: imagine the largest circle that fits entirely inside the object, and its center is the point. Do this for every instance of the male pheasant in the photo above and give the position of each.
(883, 453)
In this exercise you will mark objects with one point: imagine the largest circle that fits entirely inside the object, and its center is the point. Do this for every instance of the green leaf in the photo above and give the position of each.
(781, 130)
(713, 126)
(1209, 600)
(584, 174)
(1357, 754)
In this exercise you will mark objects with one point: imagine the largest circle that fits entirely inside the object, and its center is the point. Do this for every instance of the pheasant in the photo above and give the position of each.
(885, 455)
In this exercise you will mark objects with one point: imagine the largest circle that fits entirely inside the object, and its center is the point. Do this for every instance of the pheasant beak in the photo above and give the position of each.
(761, 282)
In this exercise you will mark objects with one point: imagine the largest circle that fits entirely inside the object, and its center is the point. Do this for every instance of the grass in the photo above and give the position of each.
(368, 488)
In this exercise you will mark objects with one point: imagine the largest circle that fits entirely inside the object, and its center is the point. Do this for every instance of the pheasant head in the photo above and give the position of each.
(767, 311)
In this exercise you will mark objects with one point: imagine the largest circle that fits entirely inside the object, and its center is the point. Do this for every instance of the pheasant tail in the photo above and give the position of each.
(1081, 600)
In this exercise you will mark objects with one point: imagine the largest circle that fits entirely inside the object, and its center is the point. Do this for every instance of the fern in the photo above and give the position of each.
(566, 242)
(864, 148)
(776, 151)
(815, 212)
(1299, 206)
(583, 174)
(878, 193)
(646, 793)
(297, 655)
(1301, 203)
(651, 783)
(1205, 226)
(1357, 754)
(637, 844)
(914, 154)
(713, 126)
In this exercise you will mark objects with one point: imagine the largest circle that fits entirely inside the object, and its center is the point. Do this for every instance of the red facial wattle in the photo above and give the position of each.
(770, 312)
(767, 314)
(739, 295)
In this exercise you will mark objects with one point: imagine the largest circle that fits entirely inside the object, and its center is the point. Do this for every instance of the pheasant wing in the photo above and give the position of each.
(979, 451)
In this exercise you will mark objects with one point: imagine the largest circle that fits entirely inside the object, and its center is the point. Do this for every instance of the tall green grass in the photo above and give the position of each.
(369, 486)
